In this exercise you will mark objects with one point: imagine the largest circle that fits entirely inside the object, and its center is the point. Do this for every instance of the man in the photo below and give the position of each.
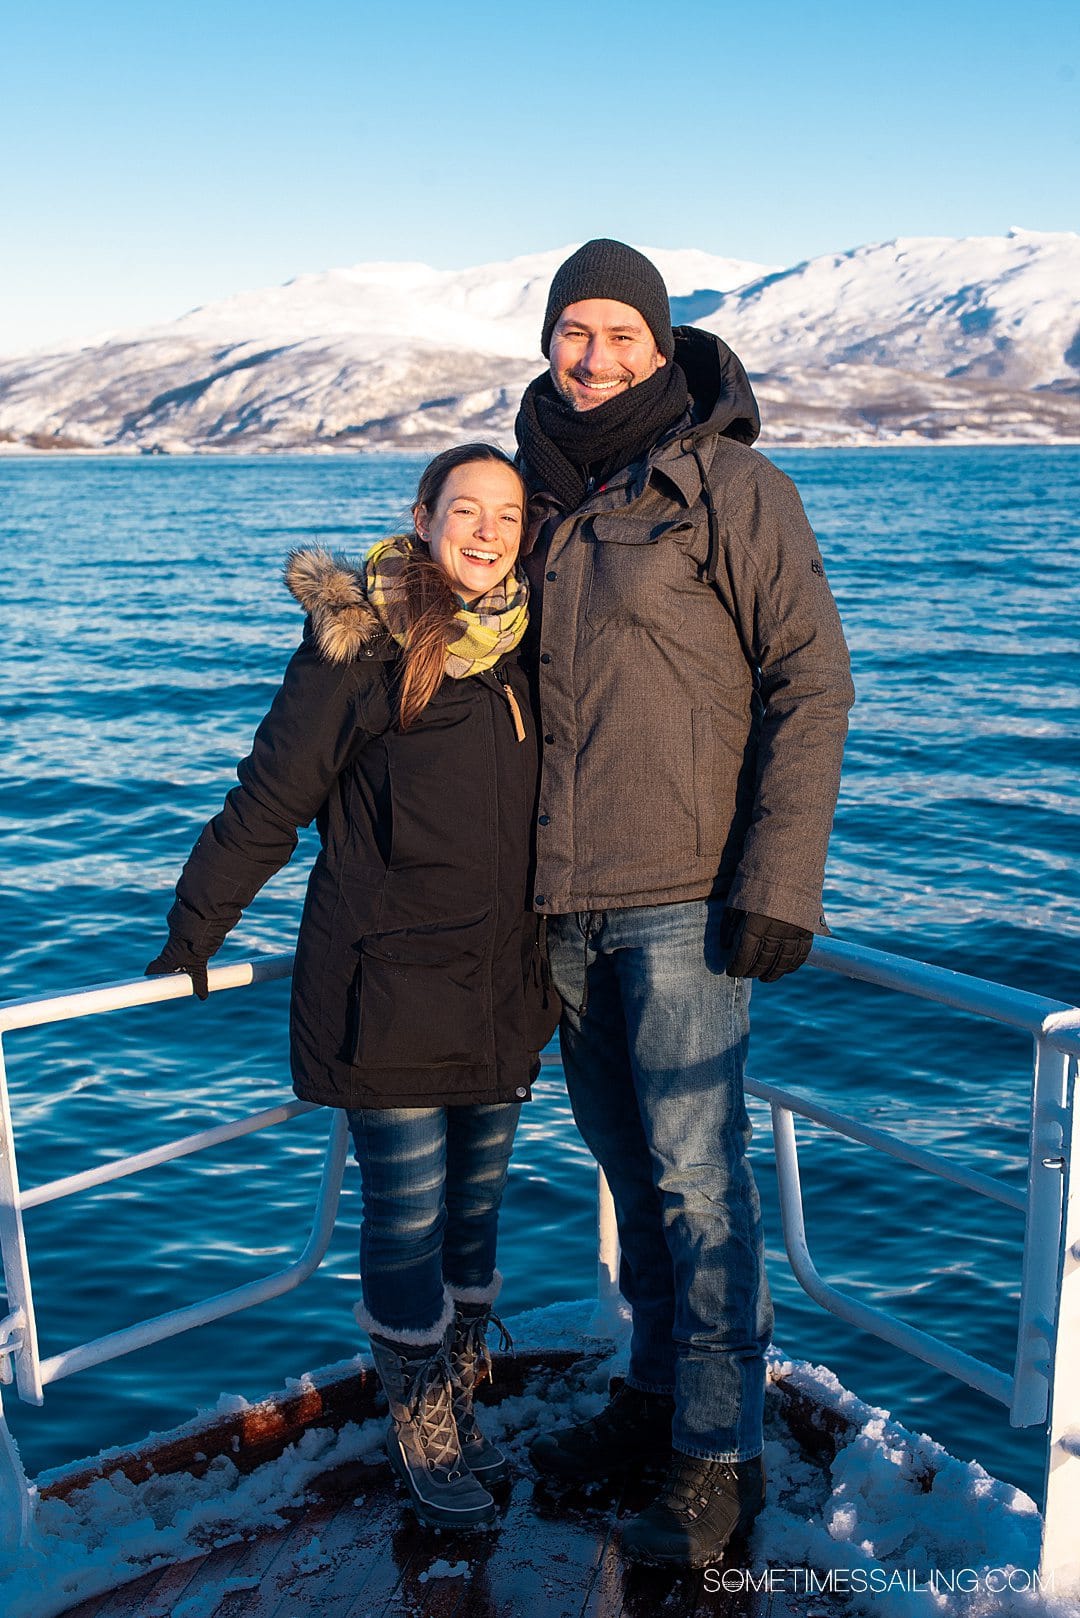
(694, 686)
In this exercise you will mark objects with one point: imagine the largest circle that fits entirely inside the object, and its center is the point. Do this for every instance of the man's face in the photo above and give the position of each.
(600, 348)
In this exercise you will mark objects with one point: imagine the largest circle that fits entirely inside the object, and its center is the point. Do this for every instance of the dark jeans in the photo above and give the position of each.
(433, 1179)
(654, 1039)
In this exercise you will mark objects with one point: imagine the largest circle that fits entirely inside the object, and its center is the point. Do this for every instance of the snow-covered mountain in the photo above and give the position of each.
(923, 337)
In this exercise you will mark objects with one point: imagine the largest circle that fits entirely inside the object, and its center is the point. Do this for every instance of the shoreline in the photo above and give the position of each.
(23, 452)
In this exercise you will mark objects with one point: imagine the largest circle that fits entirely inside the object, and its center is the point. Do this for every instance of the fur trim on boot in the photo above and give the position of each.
(486, 1294)
(425, 1337)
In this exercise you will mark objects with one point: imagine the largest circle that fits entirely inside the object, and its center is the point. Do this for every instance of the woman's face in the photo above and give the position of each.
(474, 529)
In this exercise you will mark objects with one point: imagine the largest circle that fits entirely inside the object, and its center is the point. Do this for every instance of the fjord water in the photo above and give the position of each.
(146, 629)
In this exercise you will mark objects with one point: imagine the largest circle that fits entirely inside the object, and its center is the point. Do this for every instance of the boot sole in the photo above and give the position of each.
(488, 1472)
(437, 1516)
(737, 1540)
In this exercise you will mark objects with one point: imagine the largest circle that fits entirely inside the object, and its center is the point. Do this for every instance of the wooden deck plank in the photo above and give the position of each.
(553, 1553)
(353, 1543)
(277, 1561)
(140, 1597)
(96, 1606)
(505, 1568)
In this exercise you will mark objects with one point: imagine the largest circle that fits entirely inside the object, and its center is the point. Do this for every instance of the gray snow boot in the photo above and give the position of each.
(470, 1363)
(422, 1439)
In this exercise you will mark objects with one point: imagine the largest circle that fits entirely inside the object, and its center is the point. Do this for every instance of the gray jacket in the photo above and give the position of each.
(692, 673)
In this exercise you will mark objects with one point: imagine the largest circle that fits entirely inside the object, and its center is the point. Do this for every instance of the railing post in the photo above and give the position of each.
(16, 1501)
(1042, 1238)
(16, 1263)
(16, 1505)
(1060, 1565)
(606, 1320)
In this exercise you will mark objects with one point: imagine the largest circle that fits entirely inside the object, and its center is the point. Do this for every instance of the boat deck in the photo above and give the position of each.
(353, 1549)
(550, 1556)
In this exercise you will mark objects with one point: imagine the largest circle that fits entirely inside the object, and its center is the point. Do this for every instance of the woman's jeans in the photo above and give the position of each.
(654, 1039)
(433, 1179)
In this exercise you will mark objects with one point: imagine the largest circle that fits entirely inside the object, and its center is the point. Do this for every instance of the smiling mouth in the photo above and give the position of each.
(485, 558)
(599, 387)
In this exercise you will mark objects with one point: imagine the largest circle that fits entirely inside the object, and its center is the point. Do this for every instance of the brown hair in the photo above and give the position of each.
(430, 602)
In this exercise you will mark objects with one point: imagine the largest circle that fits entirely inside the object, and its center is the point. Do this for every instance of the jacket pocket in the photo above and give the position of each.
(423, 996)
(633, 576)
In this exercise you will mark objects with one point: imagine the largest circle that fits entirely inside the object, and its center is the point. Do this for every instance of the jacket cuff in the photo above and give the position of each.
(782, 904)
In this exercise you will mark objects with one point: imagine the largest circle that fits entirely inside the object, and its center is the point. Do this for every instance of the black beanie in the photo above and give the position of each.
(607, 269)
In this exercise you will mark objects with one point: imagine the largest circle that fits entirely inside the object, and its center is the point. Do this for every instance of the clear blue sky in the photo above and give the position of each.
(156, 155)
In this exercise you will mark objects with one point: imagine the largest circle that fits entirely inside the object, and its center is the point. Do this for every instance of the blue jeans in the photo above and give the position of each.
(654, 1039)
(433, 1179)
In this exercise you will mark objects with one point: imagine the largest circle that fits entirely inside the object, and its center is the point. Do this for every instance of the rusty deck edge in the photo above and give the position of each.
(263, 1431)
(348, 1393)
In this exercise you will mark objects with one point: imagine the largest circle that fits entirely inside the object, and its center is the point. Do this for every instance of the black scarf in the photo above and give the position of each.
(563, 448)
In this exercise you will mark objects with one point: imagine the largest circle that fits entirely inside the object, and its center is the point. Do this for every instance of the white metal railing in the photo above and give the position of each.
(1044, 1385)
(1042, 1388)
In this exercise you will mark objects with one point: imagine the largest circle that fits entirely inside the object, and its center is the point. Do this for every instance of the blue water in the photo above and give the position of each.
(145, 632)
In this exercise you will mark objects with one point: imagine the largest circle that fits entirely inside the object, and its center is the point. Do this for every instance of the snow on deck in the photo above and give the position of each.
(870, 1519)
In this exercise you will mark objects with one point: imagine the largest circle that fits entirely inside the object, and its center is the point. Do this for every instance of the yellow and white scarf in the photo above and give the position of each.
(491, 626)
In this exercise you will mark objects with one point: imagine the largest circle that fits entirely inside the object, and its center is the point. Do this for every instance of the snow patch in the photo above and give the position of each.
(891, 1504)
(443, 1569)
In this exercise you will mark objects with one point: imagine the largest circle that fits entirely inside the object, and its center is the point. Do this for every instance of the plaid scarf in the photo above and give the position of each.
(491, 626)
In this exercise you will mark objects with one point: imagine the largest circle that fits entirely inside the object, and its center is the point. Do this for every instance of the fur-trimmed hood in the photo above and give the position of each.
(334, 594)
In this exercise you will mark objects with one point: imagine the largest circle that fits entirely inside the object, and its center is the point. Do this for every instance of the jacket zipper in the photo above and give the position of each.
(519, 727)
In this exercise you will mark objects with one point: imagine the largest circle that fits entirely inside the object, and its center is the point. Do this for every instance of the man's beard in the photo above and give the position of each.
(612, 393)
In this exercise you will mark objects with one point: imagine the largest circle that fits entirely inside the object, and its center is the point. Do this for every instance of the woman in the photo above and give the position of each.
(418, 1002)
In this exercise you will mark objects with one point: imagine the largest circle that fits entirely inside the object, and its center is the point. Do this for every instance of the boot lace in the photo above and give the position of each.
(471, 1349)
(688, 1486)
(432, 1413)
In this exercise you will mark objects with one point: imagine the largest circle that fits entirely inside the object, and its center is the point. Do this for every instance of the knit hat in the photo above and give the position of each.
(607, 269)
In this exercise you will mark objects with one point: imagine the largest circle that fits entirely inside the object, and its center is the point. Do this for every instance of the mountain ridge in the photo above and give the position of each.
(914, 339)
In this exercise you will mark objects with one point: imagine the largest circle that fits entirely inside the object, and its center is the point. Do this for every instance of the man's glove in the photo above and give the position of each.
(762, 947)
(177, 957)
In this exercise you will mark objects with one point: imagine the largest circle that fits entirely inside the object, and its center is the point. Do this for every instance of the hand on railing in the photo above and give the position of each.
(762, 947)
(177, 957)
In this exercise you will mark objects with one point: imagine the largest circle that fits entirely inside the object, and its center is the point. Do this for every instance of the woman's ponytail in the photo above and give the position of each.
(430, 609)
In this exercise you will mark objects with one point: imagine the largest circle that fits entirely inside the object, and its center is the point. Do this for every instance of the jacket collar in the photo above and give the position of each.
(332, 593)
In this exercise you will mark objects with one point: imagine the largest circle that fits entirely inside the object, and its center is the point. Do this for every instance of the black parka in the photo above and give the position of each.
(417, 979)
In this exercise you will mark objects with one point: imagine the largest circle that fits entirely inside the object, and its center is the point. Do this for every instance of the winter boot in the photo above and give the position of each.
(633, 1429)
(422, 1439)
(470, 1363)
(701, 1508)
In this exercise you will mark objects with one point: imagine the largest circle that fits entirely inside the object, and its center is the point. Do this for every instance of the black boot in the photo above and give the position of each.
(701, 1508)
(470, 1363)
(633, 1429)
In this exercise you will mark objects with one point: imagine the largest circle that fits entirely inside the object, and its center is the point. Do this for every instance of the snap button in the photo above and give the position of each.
(539, 900)
(545, 820)
(551, 577)
(549, 740)
(521, 1092)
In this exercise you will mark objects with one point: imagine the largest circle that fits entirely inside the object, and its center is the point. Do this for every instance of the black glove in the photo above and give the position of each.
(178, 957)
(762, 947)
